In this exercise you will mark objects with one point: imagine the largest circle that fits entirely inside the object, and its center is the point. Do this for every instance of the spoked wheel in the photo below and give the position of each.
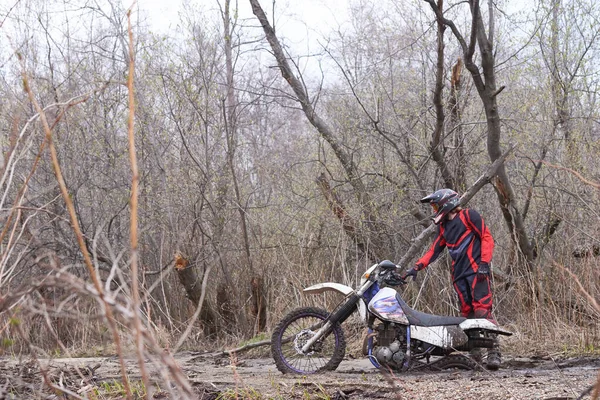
(292, 333)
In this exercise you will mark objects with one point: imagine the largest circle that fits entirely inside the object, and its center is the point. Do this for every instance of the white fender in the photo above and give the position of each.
(482, 323)
(340, 288)
(329, 286)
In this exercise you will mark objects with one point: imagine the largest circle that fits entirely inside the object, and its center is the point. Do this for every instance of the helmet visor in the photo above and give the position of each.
(435, 207)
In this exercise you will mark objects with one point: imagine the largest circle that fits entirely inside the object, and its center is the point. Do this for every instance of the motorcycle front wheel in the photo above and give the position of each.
(294, 330)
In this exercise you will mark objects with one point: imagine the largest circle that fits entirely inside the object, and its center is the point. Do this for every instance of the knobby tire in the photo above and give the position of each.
(455, 361)
(287, 359)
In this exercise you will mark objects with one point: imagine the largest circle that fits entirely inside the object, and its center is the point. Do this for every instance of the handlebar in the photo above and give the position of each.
(388, 274)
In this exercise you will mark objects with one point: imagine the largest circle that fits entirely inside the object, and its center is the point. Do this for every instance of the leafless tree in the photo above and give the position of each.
(481, 37)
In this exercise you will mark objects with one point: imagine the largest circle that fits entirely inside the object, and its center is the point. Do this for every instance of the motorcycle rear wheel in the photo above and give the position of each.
(455, 361)
(294, 330)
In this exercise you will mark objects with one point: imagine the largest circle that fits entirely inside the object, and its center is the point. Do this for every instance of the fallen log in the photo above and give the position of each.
(232, 352)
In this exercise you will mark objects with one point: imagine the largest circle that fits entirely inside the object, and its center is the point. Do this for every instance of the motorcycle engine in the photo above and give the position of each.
(389, 345)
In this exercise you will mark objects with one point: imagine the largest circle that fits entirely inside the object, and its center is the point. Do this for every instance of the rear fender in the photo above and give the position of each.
(343, 289)
(444, 336)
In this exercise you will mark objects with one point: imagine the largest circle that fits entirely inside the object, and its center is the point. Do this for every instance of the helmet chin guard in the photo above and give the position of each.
(442, 201)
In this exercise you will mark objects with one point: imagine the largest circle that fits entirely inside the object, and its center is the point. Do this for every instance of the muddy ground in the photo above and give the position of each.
(257, 378)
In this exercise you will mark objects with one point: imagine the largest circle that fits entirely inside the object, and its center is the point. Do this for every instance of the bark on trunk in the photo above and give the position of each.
(192, 283)
(259, 304)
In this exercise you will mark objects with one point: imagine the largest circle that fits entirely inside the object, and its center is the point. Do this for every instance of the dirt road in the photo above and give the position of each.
(258, 379)
(357, 379)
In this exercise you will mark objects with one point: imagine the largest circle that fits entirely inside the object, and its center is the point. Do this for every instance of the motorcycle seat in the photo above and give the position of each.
(419, 318)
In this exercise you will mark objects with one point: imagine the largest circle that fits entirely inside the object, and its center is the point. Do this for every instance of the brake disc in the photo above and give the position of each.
(301, 339)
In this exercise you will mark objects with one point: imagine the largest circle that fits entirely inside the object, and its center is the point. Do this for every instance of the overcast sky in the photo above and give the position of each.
(297, 20)
(301, 24)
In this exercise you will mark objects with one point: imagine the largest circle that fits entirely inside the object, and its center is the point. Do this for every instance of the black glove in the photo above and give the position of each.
(484, 269)
(411, 272)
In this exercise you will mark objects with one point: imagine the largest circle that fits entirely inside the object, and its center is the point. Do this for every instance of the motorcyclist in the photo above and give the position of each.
(471, 246)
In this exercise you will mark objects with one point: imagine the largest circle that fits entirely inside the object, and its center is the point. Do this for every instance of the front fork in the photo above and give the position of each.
(338, 317)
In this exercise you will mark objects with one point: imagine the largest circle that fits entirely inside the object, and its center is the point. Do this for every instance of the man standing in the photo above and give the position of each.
(471, 246)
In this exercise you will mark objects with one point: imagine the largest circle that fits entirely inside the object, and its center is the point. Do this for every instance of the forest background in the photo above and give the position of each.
(179, 191)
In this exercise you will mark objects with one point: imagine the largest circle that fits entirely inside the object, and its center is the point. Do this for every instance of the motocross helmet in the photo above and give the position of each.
(442, 201)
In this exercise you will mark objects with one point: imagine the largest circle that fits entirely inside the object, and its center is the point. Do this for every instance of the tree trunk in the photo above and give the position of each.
(231, 129)
(438, 149)
(348, 223)
(192, 283)
(486, 87)
(458, 141)
(373, 230)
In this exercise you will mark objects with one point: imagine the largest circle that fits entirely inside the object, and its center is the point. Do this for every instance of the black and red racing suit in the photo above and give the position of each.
(470, 244)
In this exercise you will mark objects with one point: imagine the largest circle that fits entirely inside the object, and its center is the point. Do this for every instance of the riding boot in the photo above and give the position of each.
(494, 357)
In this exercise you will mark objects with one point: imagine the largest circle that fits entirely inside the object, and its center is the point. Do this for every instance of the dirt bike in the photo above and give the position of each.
(311, 340)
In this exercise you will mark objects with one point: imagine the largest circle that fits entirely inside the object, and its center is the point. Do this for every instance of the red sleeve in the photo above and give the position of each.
(434, 251)
(481, 230)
